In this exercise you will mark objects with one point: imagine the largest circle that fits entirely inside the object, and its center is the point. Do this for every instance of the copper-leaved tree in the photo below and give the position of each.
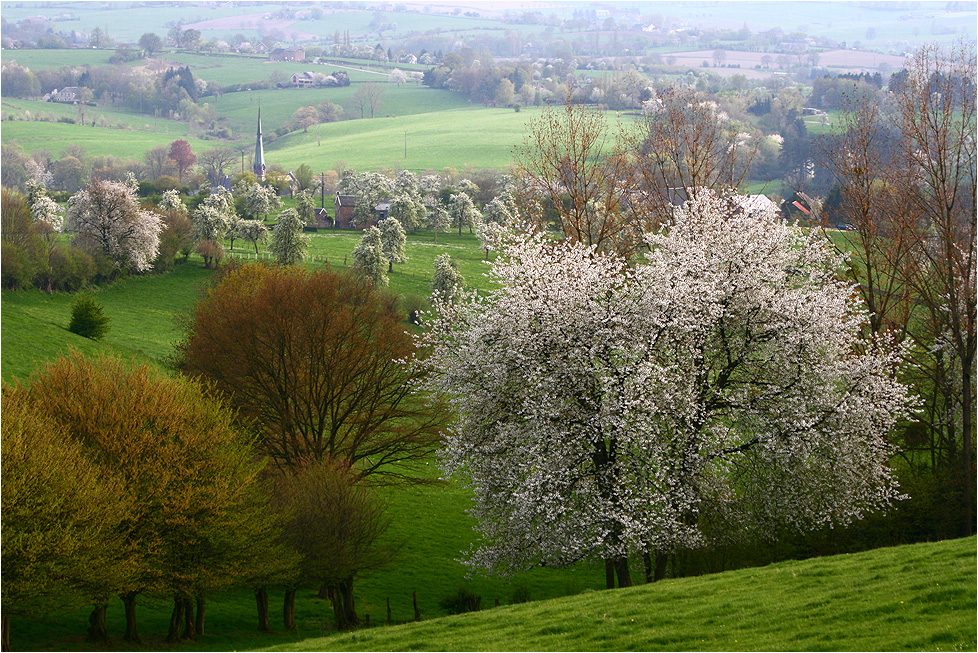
(316, 361)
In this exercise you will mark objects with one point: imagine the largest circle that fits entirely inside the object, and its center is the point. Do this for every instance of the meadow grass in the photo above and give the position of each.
(229, 68)
(124, 22)
(143, 313)
(912, 597)
(132, 120)
(144, 310)
(277, 106)
(96, 141)
(430, 524)
(480, 137)
(42, 59)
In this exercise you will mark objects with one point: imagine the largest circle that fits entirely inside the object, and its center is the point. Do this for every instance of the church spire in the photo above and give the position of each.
(259, 152)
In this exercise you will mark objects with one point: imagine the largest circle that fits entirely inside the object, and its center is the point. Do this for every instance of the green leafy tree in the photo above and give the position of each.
(63, 547)
(151, 43)
(335, 524)
(186, 469)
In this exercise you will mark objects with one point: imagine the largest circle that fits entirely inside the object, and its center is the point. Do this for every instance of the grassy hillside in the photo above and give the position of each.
(96, 141)
(144, 309)
(277, 106)
(142, 312)
(483, 138)
(914, 597)
(129, 120)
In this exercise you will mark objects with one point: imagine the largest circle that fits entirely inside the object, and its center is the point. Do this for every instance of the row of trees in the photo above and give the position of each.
(259, 475)
(906, 178)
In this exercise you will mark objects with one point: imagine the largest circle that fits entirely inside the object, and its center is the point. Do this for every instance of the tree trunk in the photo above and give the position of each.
(201, 609)
(390, 266)
(129, 601)
(176, 617)
(348, 607)
(624, 574)
(414, 598)
(647, 562)
(5, 636)
(288, 610)
(388, 611)
(97, 630)
(609, 574)
(261, 599)
(341, 596)
(189, 623)
(660, 565)
(967, 445)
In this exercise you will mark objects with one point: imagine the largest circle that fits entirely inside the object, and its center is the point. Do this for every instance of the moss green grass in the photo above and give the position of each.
(913, 597)
(96, 141)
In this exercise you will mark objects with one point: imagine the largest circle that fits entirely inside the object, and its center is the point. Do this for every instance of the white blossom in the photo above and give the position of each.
(718, 389)
(106, 218)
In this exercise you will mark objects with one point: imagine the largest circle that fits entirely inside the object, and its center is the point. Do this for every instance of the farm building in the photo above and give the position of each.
(303, 80)
(799, 206)
(287, 54)
(347, 204)
(69, 95)
(322, 219)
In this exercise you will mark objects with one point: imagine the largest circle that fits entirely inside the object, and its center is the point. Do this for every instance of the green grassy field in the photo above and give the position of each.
(96, 141)
(228, 68)
(129, 120)
(907, 598)
(277, 106)
(483, 138)
(144, 309)
(127, 23)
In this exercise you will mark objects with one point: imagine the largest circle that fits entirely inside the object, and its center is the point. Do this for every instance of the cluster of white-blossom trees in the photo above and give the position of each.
(717, 388)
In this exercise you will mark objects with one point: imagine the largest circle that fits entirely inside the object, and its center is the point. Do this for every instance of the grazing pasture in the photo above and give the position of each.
(118, 117)
(906, 598)
(476, 136)
(96, 141)
(277, 106)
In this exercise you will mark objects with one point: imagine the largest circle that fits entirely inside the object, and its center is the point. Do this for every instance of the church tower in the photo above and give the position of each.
(259, 153)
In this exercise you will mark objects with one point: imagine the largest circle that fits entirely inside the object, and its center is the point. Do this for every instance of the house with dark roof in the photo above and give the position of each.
(68, 95)
(303, 80)
(287, 54)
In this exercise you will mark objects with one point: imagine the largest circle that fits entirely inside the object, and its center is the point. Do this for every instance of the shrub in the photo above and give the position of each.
(87, 318)
(463, 600)
(166, 182)
(413, 304)
(17, 268)
(71, 268)
(211, 251)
